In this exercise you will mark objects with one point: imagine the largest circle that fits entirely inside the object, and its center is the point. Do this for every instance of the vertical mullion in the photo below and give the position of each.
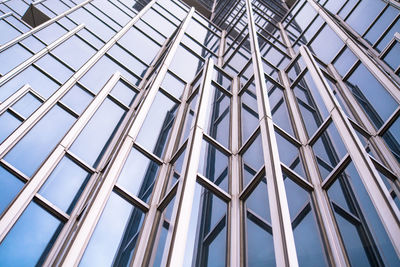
(236, 254)
(284, 246)
(384, 204)
(186, 187)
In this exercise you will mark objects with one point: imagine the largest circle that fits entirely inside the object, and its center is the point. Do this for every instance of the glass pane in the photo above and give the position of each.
(99, 74)
(140, 45)
(50, 33)
(173, 85)
(383, 22)
(33, 43)
(113, 241)
(8, 32)
(77, 99)
(138, 175)
(26, 105)
(158, 124)
(329, 150)
(124, 93)
(377, 103)
(12, 57)
(260, 246)
(213, 164)
(9, 188)
(305, 229)
(389, 35)
(289, 154)
(392, 58)
(98, 132)
(55, 68)
(308, 243)
(392, 138)
(185, 64)
(258, 201)
(8, 124)
(158, 22)
(218, 116)
(38, 81)
(92, 23)
(165, 229)
(253, 160)
(127, 60)
(279, 110)
(31, 238)
(65, 184)
(74, 52)
(365, 12)
(311, 104)
(249, 112)
(140, 24)
(36, 145)
(206, 241)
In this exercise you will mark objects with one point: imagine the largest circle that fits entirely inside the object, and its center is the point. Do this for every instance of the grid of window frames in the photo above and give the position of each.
(142, 133)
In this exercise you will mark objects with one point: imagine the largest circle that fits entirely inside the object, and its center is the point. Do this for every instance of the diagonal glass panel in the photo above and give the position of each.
(329, 150)
(113, 241)
(214, 165)
(138, 175)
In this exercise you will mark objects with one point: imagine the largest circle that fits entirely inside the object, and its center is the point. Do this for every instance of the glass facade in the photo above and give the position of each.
(200, 133)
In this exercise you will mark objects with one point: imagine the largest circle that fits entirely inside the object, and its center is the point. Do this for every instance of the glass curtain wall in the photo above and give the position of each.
(149, 133)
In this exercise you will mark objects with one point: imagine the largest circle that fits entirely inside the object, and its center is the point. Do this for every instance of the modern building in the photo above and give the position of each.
(199, 133)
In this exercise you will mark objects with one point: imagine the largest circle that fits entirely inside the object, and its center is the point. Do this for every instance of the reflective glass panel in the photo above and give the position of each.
(30, 239)
(27, 105)
(138, 175)
(158, 124)
(8, 124)
(10, 185)
(36, 145)
(113, 241)
(74, 51)
(207, 241)
(94, 138)
(77, 99)
(65, 184)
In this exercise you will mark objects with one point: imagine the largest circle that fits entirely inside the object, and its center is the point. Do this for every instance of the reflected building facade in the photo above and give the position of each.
(199, 133)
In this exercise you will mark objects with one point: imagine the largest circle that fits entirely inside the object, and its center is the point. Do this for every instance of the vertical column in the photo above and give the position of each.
(186, 187)
(236, 254)
(284, 246)
(384, 204)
